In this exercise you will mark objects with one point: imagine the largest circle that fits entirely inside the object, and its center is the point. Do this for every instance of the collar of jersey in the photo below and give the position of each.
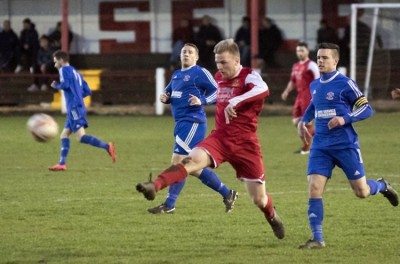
(327, 75)
(188, 68)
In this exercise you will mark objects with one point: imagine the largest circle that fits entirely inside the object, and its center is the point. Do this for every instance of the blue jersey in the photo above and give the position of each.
(195, 81)
(336, 95)
(74, 86)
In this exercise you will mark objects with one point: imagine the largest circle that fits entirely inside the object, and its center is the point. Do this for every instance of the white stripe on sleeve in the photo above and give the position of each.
(354, 87)
(259, 87)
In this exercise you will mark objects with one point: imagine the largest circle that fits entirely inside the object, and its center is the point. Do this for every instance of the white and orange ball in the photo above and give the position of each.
(42, 127)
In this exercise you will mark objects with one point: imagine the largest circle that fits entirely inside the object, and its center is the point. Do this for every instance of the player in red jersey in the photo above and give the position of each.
(303, 73)
(240, 98)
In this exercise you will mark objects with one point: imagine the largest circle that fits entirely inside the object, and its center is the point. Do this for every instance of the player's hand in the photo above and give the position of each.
(164, 98)
(53, 84)
(230, 113)
(303, 132)
(396, 94)
(284, 95)
(194, 100)
(336, 121)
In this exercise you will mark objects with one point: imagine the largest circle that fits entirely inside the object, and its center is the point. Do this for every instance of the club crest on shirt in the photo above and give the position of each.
(186, 78)
(330, 96)
(235, 83)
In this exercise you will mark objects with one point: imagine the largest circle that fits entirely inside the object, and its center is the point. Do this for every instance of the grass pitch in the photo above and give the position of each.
(92, 214)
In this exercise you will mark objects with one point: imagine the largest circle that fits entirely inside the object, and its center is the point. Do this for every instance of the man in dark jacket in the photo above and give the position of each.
(270, 40)
(206, 38)
(9, 48)
(29, 40)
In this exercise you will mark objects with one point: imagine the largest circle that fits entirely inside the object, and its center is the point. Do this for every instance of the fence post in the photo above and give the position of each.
(160, 85)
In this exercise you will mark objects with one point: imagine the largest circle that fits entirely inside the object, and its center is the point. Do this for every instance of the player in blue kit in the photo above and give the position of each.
(189, 90)
(75, 89)
(336, 104)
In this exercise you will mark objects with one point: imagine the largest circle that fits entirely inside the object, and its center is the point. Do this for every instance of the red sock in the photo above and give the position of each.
(268, 210)
(171, 175)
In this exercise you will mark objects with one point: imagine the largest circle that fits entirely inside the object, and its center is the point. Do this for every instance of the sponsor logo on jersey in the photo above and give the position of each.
(176, 94)
(186, 78)
(330, 96)
(327, 113)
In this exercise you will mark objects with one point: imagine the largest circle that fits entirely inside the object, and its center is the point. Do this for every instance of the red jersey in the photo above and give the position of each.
(246, 92)
(303, 73)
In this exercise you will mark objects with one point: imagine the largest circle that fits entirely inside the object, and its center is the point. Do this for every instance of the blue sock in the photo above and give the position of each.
(209, 178)
(315, 217)
(173, 193)
(64, 150)
(91, 140)
(375, 186)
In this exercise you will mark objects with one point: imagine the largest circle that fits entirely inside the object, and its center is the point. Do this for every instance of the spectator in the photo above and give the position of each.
(29, 40)
(243, 38)
(44, 65)
(55, 37)
(181, 35)
(206, 38)
(326, 33)
(395, 94)
(270, 40)
(9, 48)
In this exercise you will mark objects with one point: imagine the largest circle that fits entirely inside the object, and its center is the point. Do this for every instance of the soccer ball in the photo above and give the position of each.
(42, 127)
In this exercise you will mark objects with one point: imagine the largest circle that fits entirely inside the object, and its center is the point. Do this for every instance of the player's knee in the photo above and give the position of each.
(64, 135)
(186, 160)
(315, 189)
(258, 201)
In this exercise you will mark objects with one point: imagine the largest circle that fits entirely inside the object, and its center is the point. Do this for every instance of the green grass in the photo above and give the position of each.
(92, 214)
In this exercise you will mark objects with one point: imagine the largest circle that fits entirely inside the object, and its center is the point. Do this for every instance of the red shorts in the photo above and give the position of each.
(300, 106)
(243, 153)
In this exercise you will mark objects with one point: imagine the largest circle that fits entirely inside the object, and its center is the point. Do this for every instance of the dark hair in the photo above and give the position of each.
(335, 48)
(27, 20)
(59, 54)
(302, 44)
(193, 46)
(44, 37)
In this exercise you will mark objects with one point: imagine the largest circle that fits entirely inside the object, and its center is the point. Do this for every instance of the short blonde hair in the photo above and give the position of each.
(227, 45)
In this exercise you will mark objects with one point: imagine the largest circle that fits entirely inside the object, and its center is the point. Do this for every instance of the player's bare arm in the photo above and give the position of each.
(303, 132)
(53, 84)
(287, 91)
(230, 113)
(164, 98)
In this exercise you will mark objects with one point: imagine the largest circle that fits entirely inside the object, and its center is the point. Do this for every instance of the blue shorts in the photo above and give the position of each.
(322, 162)
(187, 136)
(76, 118)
